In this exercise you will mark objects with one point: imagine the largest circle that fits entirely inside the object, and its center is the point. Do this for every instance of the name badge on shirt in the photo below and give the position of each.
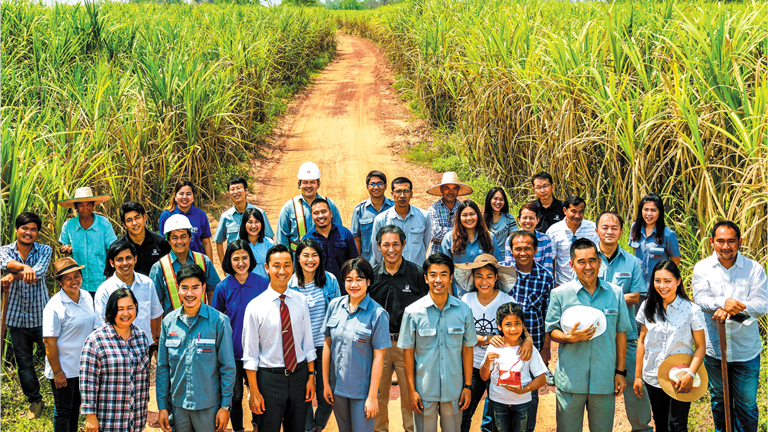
(610, 311)
(455, 330)
(623, 275)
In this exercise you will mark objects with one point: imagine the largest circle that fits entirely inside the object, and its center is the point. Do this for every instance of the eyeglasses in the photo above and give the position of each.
(376, 184)
(542, 187)
(401, 192)
(236, 189)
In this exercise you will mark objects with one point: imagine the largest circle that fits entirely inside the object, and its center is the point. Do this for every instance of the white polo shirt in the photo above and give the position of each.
(70, 323)
(146, 294)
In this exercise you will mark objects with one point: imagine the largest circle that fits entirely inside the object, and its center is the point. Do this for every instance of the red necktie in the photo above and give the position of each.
(289, 353)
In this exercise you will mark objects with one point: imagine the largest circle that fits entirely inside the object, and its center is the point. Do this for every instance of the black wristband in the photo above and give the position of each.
(468, 387)
(622, 373)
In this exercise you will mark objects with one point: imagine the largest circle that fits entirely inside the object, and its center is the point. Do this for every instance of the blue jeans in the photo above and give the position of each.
(66, 406)
(510, 418)
(743, 378)
(534, 412)
(318, 419)
(24, 340)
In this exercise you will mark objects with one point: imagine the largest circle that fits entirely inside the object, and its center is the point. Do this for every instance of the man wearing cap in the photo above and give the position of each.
(178, 231)
(397, 283)
(87, 236)
(732, 288)
(441, 213)
(591, 369)
(563, 234)
(532, 290)
(26, 262)
(365, 212)
(414, 222)
(624, 270)
(295, 219)
(337, 242)
(228, 229)
(150, 246)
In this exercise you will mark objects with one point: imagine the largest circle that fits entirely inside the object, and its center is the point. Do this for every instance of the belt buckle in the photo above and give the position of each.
(287, 372)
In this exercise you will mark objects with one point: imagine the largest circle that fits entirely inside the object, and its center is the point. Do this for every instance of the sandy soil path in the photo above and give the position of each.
(350, 122)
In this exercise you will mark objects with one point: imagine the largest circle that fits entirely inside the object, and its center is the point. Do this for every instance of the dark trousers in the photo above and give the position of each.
(510, 418)
(236, 416)
(669, 415)
(479, 387)
(23, 340)
(66, 406)
(534, 410)
(318, 419)
(283, 400)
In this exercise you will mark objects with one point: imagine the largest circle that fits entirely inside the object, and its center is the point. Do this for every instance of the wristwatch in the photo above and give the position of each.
(313, 372)
(468, 387)
(487, 337)
(622, 373)
(226, 408)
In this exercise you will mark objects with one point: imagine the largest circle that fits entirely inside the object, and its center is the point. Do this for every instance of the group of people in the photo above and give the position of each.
(460, 302)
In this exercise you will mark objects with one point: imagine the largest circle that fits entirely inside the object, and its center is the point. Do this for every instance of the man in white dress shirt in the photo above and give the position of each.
(731, 288)
(565, 232)
(278, 350)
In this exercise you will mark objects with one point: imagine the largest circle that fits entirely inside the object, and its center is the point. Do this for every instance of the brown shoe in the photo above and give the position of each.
(35, 408)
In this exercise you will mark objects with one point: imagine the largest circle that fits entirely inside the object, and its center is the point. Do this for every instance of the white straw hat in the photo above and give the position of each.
(84, 194)
(450, 178)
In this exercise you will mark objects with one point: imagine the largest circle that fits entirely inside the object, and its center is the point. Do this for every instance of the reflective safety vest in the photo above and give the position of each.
(301, 224)
(170, 277)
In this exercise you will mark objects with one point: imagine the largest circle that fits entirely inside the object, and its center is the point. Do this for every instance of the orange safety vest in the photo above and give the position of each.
(170, 277)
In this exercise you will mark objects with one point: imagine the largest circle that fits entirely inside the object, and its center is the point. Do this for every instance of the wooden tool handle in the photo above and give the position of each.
(724, 368)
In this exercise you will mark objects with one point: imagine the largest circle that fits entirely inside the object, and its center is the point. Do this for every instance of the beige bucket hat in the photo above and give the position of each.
(450, 178)
(84, 194)
(463, 273)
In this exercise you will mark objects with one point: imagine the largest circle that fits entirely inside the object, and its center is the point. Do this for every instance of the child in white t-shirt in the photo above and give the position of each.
(511, 385)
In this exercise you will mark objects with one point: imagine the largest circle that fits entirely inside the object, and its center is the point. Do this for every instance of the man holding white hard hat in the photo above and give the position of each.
(589, 319)
(295, 218)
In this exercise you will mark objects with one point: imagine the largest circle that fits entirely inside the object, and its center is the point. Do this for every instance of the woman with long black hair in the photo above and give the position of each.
(498, 219)
(651, 238)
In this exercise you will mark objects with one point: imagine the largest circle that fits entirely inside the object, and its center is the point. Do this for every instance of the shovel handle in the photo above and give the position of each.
(724, 368)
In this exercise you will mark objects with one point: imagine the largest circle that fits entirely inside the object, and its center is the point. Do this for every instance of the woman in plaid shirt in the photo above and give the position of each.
(114, 370)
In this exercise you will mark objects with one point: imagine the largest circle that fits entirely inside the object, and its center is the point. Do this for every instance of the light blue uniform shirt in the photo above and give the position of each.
(417, 227)
(437, 338)
(624, 271)
(288, 231)
(362, 224)
(649, 252)
(89, 247)
(588, 366)
(473, 250)
(502, 229)
(229, 225)
(156, 274)
(354, 337)
(195, 363)
(260, 253)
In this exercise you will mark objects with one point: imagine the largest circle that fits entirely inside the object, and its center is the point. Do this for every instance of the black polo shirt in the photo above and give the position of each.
(396, 292)
(549, 216)
(154, 247)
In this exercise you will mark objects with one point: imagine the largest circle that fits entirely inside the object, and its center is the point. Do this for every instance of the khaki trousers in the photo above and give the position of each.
(393, 360)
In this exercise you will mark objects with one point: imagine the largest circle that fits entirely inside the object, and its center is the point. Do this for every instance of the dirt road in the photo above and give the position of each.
(350, 122)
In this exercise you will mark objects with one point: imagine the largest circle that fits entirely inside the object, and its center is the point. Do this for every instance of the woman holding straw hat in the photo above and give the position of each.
(486, 284)
(670, 325)
(87, 236)
(68, 319)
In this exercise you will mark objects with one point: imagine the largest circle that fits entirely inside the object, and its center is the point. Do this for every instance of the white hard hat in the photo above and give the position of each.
(176, 222)
(309, 171)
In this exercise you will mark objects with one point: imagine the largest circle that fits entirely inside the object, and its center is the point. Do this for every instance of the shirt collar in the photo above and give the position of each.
(15, 247)
(271, 294)
(577, 285)
(363, 304)
(620, 252)
(452, 301)
(232, 282)
(247, 206)
(411, 212)
(94, 225)
(677, 302)
(740, 261)
(112, 333)
(174, 257)
(120, 284)
(653, 233)
(309, 204)
(192, 210)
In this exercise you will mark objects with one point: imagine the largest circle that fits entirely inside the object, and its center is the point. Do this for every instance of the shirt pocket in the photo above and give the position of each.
(205, 351)
(427, 338)
(232, 227)
(417, 230)
(362, 335)
(611, 317)
(173, 345)
(455, 335)
(655, 252)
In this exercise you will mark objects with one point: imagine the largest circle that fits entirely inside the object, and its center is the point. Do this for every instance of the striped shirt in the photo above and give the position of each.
(26, 302)
(114, 379)
(562, 238)
(532, 293)
(317, 307)
(544, 253)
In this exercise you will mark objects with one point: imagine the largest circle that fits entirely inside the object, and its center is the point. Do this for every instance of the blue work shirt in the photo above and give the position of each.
(649, 252)
(260, 253)
(362, 224)
(437, 338)
(417, 227)
(156, 274)
(195, 363)
(354, 336)
(231, 298)
(624, 271)
(338, 247)
(588, 366)
(201, 228)
(472, 251)
(89, 247)
(229, 225)
(288, 230)
(502, 229)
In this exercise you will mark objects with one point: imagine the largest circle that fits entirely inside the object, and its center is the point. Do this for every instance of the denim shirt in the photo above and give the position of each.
(195, 364)
(649, 252)
(331, 288)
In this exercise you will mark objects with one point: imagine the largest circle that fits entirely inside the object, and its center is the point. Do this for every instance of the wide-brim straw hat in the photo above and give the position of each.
(65, 265)
(463, 274)
(84, 194)
(682, 361)
(450, 178)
